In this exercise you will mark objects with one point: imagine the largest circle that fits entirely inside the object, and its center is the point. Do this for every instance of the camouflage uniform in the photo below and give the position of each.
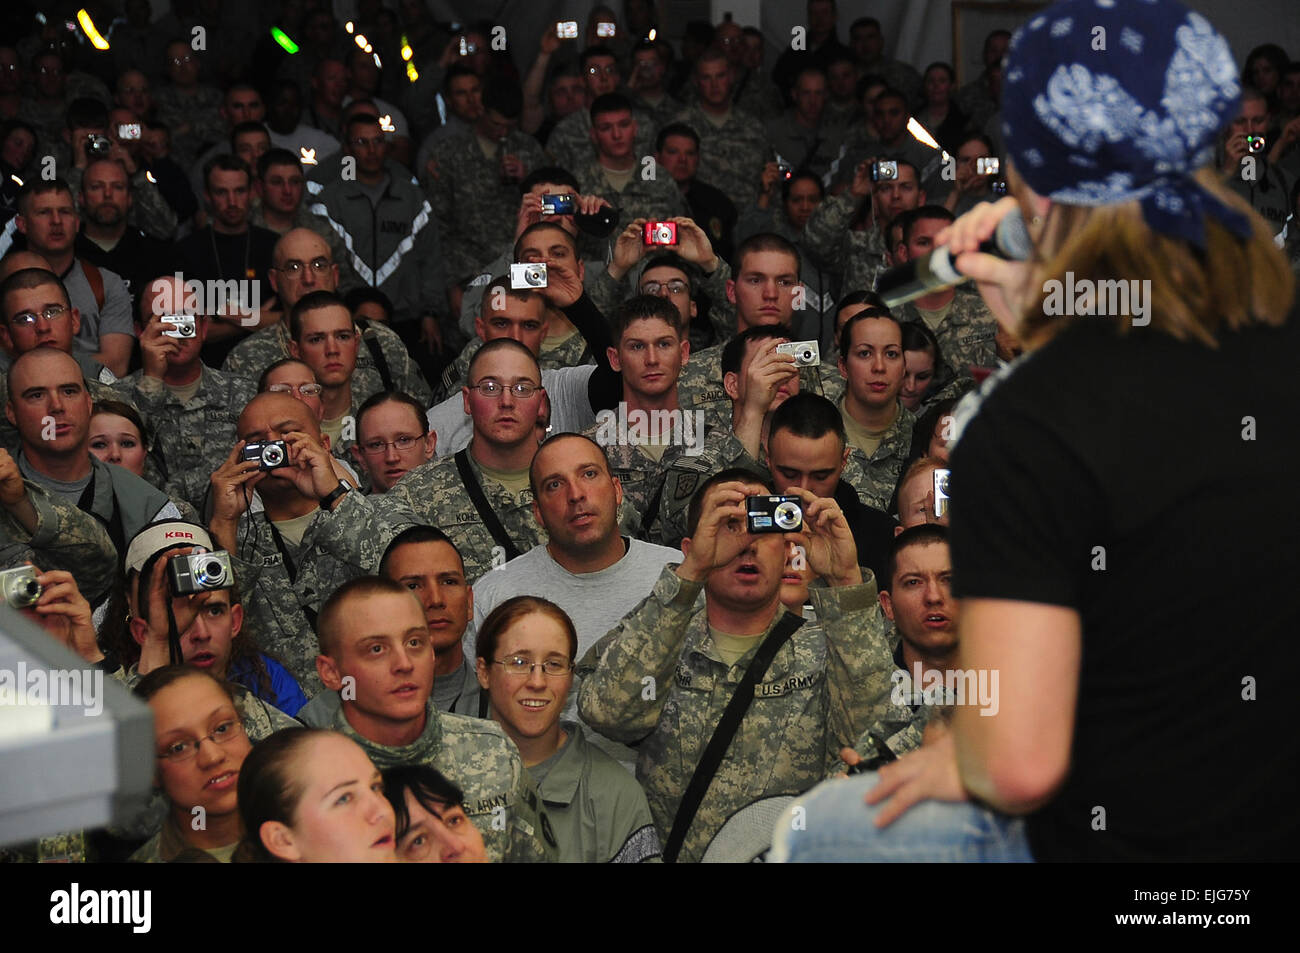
(684, 475)
(570, 142)
(823, 689)
(281, 600)
(433, 493)
(700, 386)
(859, 256)
(304, 217)
(475, 208)
(966, 334)
(876, 478)
(198, 111)
(165, 846)
(65, 538)
(253, 355)
(643, 480)
(194, 437)
(475, 755)
(594, 277)
(149, 210)
(571, 352)
(653, 199)
(859, 145)
(804, 148)
(732, 155)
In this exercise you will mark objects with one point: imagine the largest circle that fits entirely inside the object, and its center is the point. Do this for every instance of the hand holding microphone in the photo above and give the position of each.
(989, 245)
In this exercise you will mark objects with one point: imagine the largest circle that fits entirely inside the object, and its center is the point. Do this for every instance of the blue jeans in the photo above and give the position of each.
(837, 826)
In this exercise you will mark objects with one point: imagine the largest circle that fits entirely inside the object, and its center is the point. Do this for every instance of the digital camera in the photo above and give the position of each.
(200, 572)
(774, 514)
(606, 30)
(97, 146)
(987, 165)
(1255, 143)
(941, 492)
(786, 169)
(558, 204)
(806, 353)
(567, 29)
(19, 587)
(884, 171)
(128, 130)
(182, 325)
(528, 275)
(661, 233)
(269, 456)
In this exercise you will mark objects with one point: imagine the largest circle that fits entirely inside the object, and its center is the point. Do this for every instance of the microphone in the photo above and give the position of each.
(936, 271)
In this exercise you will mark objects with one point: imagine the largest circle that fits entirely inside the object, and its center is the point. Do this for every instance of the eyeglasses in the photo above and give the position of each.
(674, 287)
(607, 70)
(375, 447)
(303, 390)
(523, 667)
(318, 265)
(494, 389)
(223, 734)
(361, 142)
(50, 313)
(182, 60)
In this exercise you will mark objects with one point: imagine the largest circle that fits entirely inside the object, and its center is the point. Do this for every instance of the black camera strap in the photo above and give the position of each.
(726, 731)
(485, 511)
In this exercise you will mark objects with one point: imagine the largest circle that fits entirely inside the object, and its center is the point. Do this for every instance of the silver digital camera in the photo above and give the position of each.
(181, 325)
(19, 587)
(806, 353)
(200, 572)
(528, 275)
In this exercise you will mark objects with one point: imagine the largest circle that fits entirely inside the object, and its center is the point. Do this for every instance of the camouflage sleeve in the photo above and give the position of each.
(686, 474)
(149, 210)
(531, 839)
(627, 674)
(568, 146)
(754, 219)
(823, 236)
(606, 292)
(406, 373)
(860, 668)
(355, 534)
(722, 313)
(66, 538)
(433, 288)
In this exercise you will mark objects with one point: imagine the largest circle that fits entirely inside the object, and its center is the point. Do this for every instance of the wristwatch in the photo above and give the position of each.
(327, 502)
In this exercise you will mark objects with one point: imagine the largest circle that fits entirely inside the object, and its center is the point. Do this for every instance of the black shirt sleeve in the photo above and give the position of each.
(605, 386)
(1026, 508)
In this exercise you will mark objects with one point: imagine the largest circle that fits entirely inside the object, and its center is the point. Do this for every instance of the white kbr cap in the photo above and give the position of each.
(163, 535)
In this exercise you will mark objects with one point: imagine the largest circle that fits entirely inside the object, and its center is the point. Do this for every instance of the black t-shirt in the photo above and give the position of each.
(1180, 461)
(242, 257)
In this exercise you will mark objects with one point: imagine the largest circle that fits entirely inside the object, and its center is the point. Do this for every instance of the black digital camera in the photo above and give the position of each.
(270, 455)
(774, 514)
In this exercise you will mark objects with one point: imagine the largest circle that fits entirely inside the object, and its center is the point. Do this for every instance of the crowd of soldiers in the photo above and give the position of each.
(280, 300)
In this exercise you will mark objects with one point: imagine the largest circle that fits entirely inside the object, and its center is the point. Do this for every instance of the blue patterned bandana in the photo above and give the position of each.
(1107, 101)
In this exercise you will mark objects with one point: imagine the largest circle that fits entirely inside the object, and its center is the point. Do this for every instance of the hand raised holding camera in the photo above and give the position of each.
(721, 534)
(64, 612)
(628, 249)
(563, 286)
(829, 544)
(694, 245)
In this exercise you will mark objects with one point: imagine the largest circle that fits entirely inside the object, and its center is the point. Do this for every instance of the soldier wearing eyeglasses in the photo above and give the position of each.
(507, 407)
(193, 406)
(393, 438)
